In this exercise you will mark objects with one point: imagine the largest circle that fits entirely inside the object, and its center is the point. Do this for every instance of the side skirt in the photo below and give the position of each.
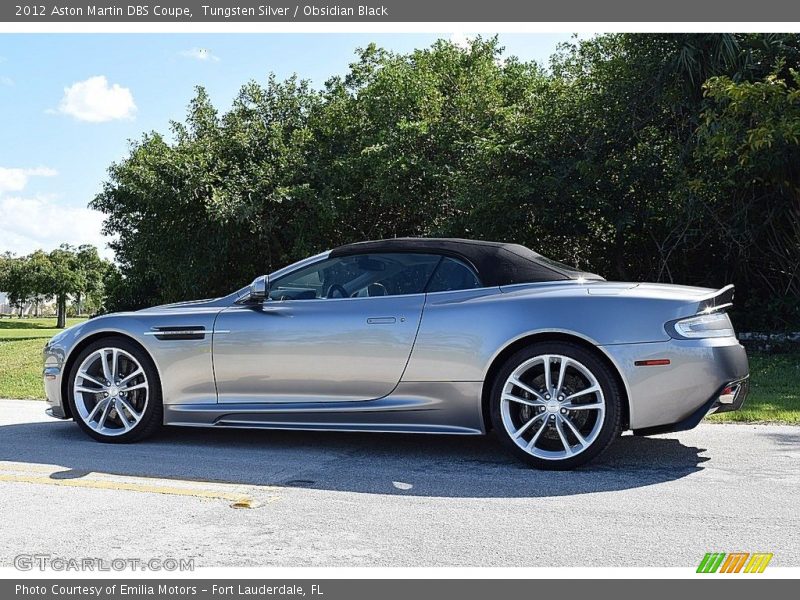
(413, 407)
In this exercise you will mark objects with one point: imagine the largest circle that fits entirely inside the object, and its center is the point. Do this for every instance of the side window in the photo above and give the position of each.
(404, 274)
(453, 275)
(359, 276)
(305, 284)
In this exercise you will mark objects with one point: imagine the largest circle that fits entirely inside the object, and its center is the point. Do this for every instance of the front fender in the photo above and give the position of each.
(184, 365)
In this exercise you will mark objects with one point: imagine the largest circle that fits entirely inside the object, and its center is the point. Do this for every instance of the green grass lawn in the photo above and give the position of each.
(21, 343)
(774, 391)
(774, 378)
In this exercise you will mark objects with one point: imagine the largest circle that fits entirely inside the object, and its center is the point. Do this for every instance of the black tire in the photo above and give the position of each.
(153, 415)
(612, 418)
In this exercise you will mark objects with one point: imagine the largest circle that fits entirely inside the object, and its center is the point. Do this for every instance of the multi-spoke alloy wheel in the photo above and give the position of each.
(114, 391)
(557, 404)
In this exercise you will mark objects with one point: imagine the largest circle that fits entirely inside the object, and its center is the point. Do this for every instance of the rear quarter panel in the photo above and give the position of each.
(462, 332)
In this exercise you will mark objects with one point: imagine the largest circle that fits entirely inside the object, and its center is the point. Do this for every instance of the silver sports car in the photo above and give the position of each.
(412, 335)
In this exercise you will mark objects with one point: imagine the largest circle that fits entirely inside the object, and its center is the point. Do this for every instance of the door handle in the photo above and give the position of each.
(381, 320)
(274, 310)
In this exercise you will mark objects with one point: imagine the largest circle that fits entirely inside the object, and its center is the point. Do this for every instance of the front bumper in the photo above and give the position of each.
(52, 376)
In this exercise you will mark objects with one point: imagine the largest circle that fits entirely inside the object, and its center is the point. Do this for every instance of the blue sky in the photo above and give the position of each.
(70, 103)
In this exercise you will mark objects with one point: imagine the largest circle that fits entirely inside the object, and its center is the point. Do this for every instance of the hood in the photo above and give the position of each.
(185, 304)
(221, 302)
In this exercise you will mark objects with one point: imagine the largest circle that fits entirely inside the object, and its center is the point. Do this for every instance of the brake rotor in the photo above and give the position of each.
(579, 418)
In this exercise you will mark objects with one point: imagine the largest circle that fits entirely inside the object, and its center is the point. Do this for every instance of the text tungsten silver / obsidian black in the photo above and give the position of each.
(285, 10)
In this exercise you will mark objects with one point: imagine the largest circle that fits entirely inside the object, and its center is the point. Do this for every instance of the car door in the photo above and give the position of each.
(339, 330)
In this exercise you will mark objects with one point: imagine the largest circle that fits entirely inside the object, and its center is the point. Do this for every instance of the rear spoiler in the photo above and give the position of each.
(719, 300)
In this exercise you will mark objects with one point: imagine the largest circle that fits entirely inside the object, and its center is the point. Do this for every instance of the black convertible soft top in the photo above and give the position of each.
(496, 263)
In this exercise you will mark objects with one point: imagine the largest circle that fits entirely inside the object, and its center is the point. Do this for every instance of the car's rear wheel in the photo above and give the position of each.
(114, 391)
(556, 405)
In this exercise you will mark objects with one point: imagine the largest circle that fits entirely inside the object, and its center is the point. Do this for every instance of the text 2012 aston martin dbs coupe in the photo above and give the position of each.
(412, 335)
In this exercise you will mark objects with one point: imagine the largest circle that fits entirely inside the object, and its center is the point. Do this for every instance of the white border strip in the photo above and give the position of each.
(405, 27)
(293, 573)
(394, 28)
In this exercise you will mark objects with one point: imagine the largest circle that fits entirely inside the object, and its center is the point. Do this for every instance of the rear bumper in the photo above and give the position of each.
(670, 396)
(732, 396)
(729, 398)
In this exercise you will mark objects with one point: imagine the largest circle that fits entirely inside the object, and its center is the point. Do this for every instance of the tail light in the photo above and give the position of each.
(707, 325)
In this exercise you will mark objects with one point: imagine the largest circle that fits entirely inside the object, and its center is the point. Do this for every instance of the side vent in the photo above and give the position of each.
(184, 332)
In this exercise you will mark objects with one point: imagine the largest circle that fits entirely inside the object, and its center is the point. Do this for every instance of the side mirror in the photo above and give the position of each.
(258, 289)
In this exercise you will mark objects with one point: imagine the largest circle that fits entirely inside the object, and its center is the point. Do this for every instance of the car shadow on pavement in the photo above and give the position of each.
(395, 464)
(788, 440)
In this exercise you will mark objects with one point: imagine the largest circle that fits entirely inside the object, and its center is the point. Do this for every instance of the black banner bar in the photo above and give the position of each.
(256, 11)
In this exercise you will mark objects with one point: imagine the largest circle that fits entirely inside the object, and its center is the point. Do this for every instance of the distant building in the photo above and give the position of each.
(5, 306)
(29, 309)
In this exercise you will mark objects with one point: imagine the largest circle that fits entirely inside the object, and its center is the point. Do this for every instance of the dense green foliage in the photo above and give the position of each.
(640, 157)
(66, 272)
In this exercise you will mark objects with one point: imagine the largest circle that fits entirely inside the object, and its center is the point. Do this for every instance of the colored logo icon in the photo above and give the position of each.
(734, 562)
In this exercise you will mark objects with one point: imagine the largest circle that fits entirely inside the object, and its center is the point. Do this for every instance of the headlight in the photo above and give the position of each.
(711, 325)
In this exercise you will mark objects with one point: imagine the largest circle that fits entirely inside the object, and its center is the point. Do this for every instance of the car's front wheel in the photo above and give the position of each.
(114, 391)
(556, 405)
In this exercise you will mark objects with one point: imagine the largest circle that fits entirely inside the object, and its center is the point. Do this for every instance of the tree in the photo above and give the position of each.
(37, 270)
(638, 156)
(63, 278)
(94, 272)
(66, 271)
(19, 283)
(227, 190)
(76, 272)
(751, 135)
(6, 262)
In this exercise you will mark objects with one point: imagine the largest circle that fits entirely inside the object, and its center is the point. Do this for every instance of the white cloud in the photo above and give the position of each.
(203, 54)
(41, 221)
(29, 224)
(7, 81)
(96, 101)
(15, 180)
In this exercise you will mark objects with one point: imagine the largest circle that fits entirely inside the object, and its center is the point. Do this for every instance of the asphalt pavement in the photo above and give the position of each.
(341, 499)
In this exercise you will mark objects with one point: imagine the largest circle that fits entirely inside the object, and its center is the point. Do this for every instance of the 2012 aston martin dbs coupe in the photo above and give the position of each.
(412, 335)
